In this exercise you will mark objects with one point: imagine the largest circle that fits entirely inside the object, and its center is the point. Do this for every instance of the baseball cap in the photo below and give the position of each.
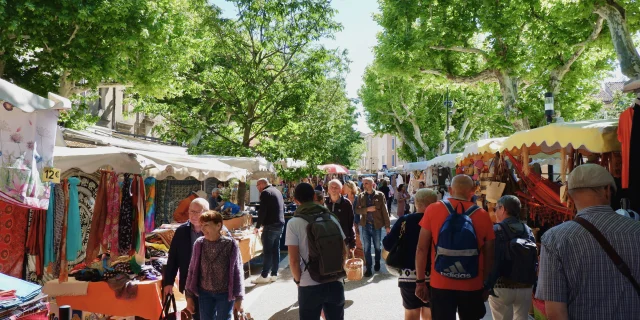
(590, 175)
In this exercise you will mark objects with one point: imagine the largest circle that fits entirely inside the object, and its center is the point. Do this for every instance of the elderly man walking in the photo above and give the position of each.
(372, 208)
(180, 251)
(590, 267)
(271, 219)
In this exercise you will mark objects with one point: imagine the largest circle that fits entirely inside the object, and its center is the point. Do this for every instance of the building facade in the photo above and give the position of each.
(381, 152)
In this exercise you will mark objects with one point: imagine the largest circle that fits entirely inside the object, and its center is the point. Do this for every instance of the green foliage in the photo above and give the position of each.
(80, 117)
(262, 87)
(51, 45)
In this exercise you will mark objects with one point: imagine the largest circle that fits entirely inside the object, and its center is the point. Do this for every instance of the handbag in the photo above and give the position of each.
(495, 190)
(611, 252)
(169, 300)
(256, 245)
(395, 257)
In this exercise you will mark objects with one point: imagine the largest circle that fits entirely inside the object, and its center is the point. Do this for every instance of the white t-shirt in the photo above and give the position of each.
(297, 236)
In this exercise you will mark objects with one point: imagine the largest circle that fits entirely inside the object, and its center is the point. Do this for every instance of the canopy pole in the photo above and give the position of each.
(525, 160)
(563, 166)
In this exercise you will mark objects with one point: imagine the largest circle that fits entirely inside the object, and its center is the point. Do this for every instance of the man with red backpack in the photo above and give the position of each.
(461, 238)
(317, 254)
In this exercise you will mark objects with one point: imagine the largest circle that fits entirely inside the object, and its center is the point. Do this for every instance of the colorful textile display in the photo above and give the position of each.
(64, 264)
(125, 227)
(74, 231)
(35, 240)
(150, 207)
(99, 218)
(26, 148)
(110, 235)
(59, 214)
(13, 236)
(169, 193)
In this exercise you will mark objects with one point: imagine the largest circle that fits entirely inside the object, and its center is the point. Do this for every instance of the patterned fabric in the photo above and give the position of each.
(64, 264)
(26, 147)
(138, 199)
(110, 235)
(74, 231)
(125, 227)
(57, 230)
(35, 239)
(169, 193)
(574, 268)
(150, 206)
(13, 236)
(214, 265)
(98, 220)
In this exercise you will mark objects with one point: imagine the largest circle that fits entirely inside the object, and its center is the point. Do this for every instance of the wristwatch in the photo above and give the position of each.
(296, 281)
(421, 280)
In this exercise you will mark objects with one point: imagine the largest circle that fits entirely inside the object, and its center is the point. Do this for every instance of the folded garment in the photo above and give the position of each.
(24, 290)
(123, 287)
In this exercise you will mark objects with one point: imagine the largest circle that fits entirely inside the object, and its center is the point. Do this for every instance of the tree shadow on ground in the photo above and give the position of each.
(376, 278)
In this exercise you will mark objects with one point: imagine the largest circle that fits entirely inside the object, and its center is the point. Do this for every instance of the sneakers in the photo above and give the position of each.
(274, 278)
(376, 267)
(368, 273)
(261, 280)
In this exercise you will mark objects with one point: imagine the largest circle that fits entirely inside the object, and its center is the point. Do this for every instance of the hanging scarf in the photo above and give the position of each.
(59, 214)
(74, 230)
(110, 234)
(48, 233)
(64, 270)
(98, 220)
(125, 226)
(35, 243)
(138, 197)
(150, 207)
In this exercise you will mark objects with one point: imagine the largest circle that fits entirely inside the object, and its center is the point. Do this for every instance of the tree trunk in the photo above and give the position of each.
(2, 65)
(417, 134)
(406, 141)
(242, 192)
(246, 135)
(509, 90)
(627, 54)
(66, 85)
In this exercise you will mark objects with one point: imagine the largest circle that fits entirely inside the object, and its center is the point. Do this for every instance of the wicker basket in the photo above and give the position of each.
(354, 268)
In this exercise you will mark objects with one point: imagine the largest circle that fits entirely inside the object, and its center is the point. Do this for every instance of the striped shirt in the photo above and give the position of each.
(574, 268)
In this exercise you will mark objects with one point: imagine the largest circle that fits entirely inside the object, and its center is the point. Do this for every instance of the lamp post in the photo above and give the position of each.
(548, 106)
(448, 103)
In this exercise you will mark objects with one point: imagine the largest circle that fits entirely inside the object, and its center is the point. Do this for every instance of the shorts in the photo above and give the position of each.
(468, 304)
(409, 299)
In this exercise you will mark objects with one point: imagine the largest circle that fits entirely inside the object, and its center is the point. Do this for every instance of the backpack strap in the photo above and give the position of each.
(471, 210)
(611, 252)
(450, 208)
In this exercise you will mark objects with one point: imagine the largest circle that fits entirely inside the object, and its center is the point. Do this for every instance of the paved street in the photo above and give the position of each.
(377, 297)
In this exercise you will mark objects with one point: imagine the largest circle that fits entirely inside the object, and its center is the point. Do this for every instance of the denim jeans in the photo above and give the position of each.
(371, 236)
(215, 306)
(327, 296)
(271, 248)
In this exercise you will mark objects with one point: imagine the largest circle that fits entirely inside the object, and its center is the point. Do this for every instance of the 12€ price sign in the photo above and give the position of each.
(51, 175)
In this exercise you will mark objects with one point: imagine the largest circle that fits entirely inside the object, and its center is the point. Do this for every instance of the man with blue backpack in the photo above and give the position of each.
(514, 271)
(461, 238)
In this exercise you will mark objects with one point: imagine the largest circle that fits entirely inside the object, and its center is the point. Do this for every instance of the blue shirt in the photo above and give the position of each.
(234, 207)
(370, 203)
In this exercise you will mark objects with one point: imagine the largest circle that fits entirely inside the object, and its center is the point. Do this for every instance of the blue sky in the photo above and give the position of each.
(358, 36)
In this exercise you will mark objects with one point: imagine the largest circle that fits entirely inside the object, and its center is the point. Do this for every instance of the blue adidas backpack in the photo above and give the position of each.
(457, 254)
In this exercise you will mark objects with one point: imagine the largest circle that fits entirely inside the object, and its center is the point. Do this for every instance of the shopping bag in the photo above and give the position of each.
(167, 314)
(494, 191)
(256, 244)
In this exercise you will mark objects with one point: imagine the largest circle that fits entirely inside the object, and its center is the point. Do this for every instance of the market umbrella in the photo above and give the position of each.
(334, 168)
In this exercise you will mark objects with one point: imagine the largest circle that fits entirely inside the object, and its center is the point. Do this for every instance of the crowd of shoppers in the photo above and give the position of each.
(587, 269)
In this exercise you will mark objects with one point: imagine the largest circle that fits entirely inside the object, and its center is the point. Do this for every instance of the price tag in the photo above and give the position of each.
(51, 174)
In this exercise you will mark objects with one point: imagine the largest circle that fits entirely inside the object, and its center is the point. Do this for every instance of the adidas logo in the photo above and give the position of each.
(456, 271)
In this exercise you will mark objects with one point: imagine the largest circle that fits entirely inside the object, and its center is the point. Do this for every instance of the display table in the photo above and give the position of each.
(101, 299)
(248, 249)
(238, 223)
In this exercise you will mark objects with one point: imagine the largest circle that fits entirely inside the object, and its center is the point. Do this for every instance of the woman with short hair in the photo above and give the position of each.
(215, 272)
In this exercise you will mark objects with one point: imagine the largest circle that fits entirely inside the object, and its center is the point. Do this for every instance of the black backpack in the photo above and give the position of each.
(327, 253)
(521, 255)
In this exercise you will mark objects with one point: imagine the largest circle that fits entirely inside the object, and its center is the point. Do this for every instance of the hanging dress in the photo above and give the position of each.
(48, 232)
(110, 234)
(98, 220)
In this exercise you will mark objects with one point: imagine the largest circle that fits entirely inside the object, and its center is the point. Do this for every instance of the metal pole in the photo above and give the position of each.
(446, 103)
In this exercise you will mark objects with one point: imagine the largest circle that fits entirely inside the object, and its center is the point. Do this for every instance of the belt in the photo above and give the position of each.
(506, 284)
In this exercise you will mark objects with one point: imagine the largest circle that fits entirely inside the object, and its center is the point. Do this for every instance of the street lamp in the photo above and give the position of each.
(448, 103)
(548, 106)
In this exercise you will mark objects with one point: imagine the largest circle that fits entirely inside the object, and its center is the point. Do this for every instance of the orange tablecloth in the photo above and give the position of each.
(101, 299)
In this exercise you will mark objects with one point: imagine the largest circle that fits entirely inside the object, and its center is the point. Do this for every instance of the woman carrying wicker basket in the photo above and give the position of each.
(407, 230)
